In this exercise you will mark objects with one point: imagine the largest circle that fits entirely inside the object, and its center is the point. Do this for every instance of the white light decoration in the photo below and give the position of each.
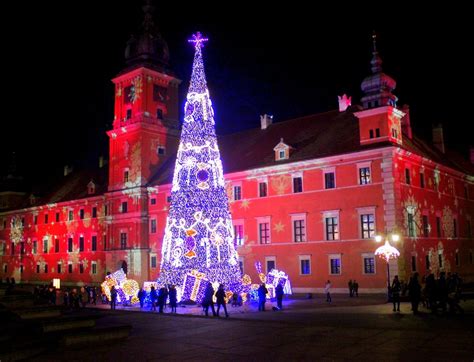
(387, 251)
(198, 236)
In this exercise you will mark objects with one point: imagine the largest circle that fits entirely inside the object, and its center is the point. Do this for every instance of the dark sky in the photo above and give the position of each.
(288, 60)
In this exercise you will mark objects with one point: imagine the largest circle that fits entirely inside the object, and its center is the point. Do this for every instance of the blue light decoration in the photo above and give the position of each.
(198, 245)
(271, 280)
(127, 289)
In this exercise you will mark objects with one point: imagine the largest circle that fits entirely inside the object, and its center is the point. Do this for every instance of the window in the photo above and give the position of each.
(367, 224)
(455, 228)
(94, 243)
(438, 226)
(56, 245)
(123, 240)
(426, 226)
(411, 224)
(299, 231)
(297, 184)
(69, 245)
(125, 176)
(94, 212)
(364, 175)
(335, 264)
(124, 207)
(104, 240)
(23, 222)
(377, 132)
(35, 246)
(237, 193)
(369, 263)
(46, 217)
(153, 261)
(440, 258)
(238, 233)
(371, 133)
(5, 268)
(129, 113)
(3, 249)
(81, 268)
(264, 232)
(57, 217)
(69, 267)
(468, 228)
(270, 263)
(81, 243)
(329, 180)
(153, 226)
(407, 176)
(12, 248)
(127, 94)
(422, 180)
(160, 150)
(427, 262)
(46, 268)
(456, 258)
(159, 113)
(35, 219)
(81, 214)
(45, 246)
(466, 191)
(413, 263)
(262, 189)
(70, 215)
(106, 210)
(332, 228)
(281, 154)
(59, 268)
(94, 267)
(22, 268)
(153, 201)
(305, 264)
(394, 133)
(22, 248)
(38, 268)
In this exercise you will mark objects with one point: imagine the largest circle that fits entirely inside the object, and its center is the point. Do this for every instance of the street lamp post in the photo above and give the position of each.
(387, 252)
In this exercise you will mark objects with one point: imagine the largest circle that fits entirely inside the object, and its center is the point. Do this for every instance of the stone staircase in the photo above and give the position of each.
(29, 328)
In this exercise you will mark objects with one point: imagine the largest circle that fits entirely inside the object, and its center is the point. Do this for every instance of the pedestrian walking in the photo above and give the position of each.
(396, 289)
(327, 290)
(220, 296)
(279, 295)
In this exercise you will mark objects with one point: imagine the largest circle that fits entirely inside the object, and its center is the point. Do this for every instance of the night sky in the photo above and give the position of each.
(282, 60)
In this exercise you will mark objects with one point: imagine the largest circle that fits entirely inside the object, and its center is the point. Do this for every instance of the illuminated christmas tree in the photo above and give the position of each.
(198, 245)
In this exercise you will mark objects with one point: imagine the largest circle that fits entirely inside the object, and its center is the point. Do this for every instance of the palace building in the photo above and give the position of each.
(307, 195)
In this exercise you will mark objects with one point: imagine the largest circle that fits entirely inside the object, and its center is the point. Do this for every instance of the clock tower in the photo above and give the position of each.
(145, 132)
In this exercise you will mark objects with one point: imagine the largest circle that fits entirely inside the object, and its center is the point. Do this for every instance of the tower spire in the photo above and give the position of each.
(376, 60)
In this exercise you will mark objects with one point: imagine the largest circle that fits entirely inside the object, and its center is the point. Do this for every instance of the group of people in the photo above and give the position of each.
(353, 288)
(433, 294)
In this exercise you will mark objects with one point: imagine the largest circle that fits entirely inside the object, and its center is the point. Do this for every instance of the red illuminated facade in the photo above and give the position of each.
(307, 195)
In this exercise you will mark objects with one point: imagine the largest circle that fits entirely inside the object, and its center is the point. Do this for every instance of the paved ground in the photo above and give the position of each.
(348, 329)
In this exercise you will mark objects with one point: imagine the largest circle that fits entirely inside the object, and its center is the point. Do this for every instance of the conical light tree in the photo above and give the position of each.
(198, 243)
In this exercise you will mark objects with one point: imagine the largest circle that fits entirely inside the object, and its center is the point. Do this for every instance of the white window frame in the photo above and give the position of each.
(329, 170)
(72, 267)
(239, 222)
(414, 254)
(153, 255)
(262, 181)
(300, 259)
(297, 175)
(299, 217)
(270, 258)
(57, 269)
(127, 171)
(331, 213)
(151, 225)
(367, 164)
(261, 220)
(234, 185)
(366, 256)
(365, 211)
(46, 242)
(93, 264)
(2, 246)
(331, 257)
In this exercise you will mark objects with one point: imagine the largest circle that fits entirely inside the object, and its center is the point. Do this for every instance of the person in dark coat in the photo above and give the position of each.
(153, 298)
(162, 296)
(396, 289)
(220, 296)
(141, 297)
(414, 290)
(262, 297)
(113, 297)
(279, 295)
(173, 298)
(207, 301)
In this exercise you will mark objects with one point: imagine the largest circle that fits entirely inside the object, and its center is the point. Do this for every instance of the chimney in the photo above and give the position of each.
(406, 124)
(472, 154)
(101, 161)
(438, 139)
(344, 102)
(67, 170)
(265, 121)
